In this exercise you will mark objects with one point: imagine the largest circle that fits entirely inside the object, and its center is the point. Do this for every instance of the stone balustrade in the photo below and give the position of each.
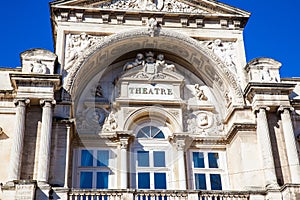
(76, 194)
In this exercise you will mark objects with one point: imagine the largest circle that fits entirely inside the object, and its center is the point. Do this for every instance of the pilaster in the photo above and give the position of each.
(124, 141)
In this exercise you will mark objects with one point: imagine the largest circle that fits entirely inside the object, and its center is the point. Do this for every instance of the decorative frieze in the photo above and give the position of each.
(76, 45)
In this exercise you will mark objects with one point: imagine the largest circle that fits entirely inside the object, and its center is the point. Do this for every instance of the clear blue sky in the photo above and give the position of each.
(272, 31)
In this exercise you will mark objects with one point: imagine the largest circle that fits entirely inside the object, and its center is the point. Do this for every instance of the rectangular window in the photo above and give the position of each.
(143, 180)
(160, 181)
(93, 169)
(200, 182)
(198, 159)
(206, 170)
(159, 159)
(102, 158)
(86, 158)
(143, 158)
(86, 180)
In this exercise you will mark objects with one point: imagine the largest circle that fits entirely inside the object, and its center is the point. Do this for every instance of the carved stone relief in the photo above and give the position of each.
(91, 119)
(203, 123)
(76, 45)
(38, 67)
(156, 5)
(151, 68)
(225, 51)
(199, 93)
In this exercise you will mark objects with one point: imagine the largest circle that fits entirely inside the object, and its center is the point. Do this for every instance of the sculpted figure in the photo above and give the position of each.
(110, 123)
(38, 67)
(139, 61)
(265, 75)
(160, 62)
(77, 44)
(199, 93)
(152, 26)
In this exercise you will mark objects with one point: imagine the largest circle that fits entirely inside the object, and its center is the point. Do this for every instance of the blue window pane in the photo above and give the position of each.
(102, 180)
(146, 131)
(159, 135)
(200, 182)
(198, 160)
(215, 181)
(154, 131)
(159, 159)
(86, 180)
(143, 158)
(102, 158)
(143, 180)
(160, 181)
(213, 159)
(86, 158)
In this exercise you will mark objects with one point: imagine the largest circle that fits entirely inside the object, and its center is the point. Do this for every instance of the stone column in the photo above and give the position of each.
(180, 144)
(263, 136)
(124, 167)
(45, 141)
(18, 140)
(290, 142)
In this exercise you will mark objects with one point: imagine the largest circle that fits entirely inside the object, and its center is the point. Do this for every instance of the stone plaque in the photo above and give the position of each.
(151, 91)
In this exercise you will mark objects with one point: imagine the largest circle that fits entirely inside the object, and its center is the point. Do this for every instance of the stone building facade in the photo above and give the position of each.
(148, 100)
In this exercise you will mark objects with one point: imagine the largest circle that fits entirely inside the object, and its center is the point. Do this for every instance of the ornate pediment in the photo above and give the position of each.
(169, 6)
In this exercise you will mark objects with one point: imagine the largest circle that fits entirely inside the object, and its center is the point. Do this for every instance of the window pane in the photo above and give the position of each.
(102, 180)
(200, 182)
(215, 181)
(86, 180)
(198, 159)
(213, 160)
(154, 131)
(143, 180)
(86, 158)
(159, 135)
(146, 130)
(102, 158)
(160, 181)
(143, 158)
(159, 158)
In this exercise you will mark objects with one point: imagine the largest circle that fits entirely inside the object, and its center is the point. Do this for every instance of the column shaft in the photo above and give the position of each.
(291, 147)
(263, 135)
(45, 143)
(17, 143)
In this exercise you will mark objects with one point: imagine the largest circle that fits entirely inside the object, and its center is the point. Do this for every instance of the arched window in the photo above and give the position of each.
(150, 132)
(150, 159)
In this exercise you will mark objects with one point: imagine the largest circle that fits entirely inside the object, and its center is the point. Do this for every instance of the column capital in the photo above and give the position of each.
(21, 102)
(283, 109)
(256, 109)
(46, 102)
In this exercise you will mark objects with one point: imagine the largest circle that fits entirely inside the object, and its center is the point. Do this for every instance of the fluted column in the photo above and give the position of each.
(18, 140)
(124, 169)
(263, 136)
(290, 142)
(45, 141)
(180, 144)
